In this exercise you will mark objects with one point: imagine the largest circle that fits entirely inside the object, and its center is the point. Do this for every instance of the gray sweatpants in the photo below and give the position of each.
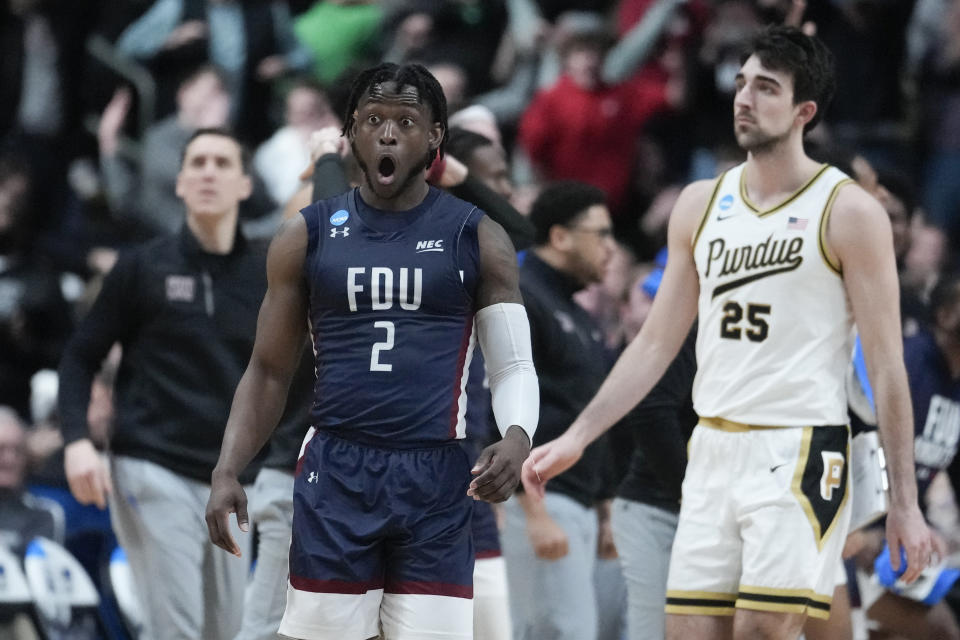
(271, 512)
(644, 536)
(552, 600)
(188, 588)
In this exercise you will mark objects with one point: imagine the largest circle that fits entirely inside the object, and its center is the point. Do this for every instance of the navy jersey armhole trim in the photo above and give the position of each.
(311, 215)
(473, 236)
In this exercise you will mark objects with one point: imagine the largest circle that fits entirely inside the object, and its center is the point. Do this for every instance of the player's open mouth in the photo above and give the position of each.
(386, 169)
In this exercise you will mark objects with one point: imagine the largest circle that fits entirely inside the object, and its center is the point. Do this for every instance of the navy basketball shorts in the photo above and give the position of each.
(381, 542)
(486, 535)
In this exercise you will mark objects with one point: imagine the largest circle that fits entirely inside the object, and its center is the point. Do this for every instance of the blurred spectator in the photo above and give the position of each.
(465, 33)
(929, 253)
(553, 9)
(42, 53)
(897, 196)
(148, 193)
(604, 300)
(653, 222)
(932, 359)
(867, 111)
(484, 158)
(22, 516)
(251, 40)
(453, 80)
(583, 129)
(340, 34)
(644, 281)
(939, 100)
(551, 546)
(184, 308)
(282, 157)
(716, 62)
(34, 317)
(647, 507)
(478, 119)
(485, 181)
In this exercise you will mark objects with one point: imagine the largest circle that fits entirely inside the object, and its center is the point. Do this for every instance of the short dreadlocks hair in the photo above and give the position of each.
(804, 57)
(414, 75)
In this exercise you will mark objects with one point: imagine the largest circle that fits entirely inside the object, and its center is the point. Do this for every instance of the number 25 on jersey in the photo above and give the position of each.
(755, 328)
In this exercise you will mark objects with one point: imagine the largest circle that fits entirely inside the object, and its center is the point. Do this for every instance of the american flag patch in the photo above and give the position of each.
(798, 224)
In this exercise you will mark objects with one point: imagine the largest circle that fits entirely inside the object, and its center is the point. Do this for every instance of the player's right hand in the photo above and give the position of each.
(548, 461)
(87, 473)
(226, 496)
(548, 539)
(907, 528)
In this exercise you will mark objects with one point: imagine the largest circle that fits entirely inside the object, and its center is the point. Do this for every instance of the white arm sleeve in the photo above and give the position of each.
(504, 334)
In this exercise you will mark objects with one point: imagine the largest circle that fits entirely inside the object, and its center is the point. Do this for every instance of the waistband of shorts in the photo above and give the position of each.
(722, 424)
(381, 443)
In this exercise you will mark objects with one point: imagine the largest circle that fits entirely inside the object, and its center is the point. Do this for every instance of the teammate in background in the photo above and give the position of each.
(486, 164)
(390, 278)
(184, 309)
(782, 255)
(932, 360)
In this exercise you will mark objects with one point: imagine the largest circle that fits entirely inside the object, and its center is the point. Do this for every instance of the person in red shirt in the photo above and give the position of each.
(581, 128)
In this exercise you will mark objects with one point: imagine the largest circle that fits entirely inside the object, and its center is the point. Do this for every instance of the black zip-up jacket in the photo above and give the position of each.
(186, 320)
(571, 363)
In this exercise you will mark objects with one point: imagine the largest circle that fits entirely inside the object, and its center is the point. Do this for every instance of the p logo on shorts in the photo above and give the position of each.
(832, 477)
(820, 480)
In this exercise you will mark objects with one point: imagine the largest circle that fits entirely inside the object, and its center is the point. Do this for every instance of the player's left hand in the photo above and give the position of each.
(498, 467)
(226, 496)
(907, 528)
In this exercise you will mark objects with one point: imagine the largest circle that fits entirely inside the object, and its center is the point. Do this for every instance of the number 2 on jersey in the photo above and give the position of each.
(733, 314)
(386, 345)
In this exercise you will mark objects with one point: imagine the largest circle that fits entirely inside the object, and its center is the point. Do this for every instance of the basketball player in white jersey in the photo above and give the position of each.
(779, 256)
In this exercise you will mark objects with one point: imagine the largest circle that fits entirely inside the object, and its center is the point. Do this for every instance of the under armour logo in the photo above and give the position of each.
(312, 477)
(343, 233)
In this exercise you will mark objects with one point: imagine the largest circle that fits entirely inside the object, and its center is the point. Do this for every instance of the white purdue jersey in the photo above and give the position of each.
(775, 329)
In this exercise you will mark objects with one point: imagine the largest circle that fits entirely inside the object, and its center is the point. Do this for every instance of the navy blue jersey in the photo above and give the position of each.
(936, 407)
(391, 312)
(481, 431)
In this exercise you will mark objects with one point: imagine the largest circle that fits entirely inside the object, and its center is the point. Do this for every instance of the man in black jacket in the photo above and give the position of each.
(551, 545)
(184, 308)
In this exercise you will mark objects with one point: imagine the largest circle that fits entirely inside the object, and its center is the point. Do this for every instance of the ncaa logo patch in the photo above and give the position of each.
(339, 217)
(725, 202)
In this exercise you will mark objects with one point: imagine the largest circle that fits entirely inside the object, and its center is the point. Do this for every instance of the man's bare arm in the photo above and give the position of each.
(499, 275)
(860, 238)
(262, 392)
(649, 354)
(505, 340)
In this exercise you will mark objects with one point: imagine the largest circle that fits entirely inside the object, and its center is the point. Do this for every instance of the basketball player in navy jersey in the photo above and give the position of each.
(396, 281)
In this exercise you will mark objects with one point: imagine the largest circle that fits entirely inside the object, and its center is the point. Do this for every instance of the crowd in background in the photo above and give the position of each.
(97, 99)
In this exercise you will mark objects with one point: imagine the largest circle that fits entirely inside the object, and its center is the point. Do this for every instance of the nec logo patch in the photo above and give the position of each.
(424, 246)
(181, 288)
